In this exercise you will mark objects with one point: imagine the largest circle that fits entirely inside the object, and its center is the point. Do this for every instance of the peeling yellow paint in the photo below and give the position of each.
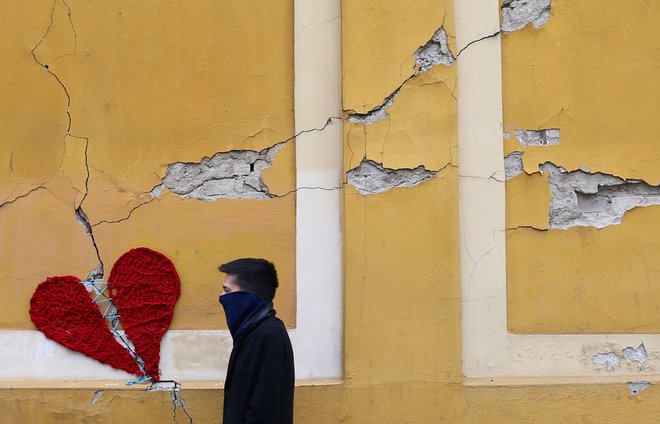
(384, 37)
(142, 86)
(592, 74)
(147, 97)
(414, 133)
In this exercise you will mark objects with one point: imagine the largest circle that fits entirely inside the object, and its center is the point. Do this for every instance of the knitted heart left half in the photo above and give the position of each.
(62, 309)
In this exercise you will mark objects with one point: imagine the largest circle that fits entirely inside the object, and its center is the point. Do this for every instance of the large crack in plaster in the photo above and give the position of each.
(516, 14)
(174, 388)
(434, 52)
(371, 177)
(582, 198)
(81, 216)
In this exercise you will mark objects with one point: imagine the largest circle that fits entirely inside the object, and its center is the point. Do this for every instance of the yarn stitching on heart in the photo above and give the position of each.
(61, 309)
(110, 313)
(142, 289)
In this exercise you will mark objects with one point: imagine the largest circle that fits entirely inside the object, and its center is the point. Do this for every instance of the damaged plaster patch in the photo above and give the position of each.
(434, 52)
(636, 387)
(581, 198)
(513, 165)
(97, 396)
(544, 137)
(608, 360)
(371, 177)
(516, 14)
(174, 388)
(227, 175)
(376, 114)
(636, 355)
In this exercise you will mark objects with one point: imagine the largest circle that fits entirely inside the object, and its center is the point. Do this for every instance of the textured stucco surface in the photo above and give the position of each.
(402, 309)
(584, 122)
(111, 95)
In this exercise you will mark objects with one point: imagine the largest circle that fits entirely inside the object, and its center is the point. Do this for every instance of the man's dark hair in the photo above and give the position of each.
(255, 275)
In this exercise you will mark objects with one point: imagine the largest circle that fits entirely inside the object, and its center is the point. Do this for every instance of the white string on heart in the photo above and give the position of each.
(100, 288)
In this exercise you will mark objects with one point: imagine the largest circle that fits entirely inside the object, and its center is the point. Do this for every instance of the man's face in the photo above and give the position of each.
(230, 285)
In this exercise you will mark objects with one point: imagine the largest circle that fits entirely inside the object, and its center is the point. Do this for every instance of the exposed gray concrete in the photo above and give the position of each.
(232, 175)
(513, 165)
(635, 387)
(516, 14)
(376, 114)
(371, 177)
(636, 355)
(97, 396)
(544, 137)
(609, 360)
(434, 52)
(581, 198)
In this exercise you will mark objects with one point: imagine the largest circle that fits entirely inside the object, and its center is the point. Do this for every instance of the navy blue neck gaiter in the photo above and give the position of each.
(239, 307)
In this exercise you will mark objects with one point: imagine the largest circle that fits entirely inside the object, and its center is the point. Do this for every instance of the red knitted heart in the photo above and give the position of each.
(144, 288)
(62, 309)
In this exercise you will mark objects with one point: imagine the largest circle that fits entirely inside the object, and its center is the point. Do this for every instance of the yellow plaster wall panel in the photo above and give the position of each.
(379, 39)
(402, 284)
(149, 84)
(584, 280)
(33, 109)
(355, 136)
(591, 74)
(421, 124)
(588, 403)
(199, 236)
(41, 238)
(107, 406)
(415, 403)
(59, 37)
(280, 176)
(132, 91)
(527, 201)
(599, 67)
(418, 402)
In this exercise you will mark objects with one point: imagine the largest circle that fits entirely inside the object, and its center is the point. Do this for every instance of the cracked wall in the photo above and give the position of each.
(581, 159)
(400, 206)
(226, 175)
(120, 98)
(402, 301)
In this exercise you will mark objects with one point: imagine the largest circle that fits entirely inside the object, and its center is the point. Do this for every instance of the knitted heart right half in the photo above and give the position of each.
(145, 286)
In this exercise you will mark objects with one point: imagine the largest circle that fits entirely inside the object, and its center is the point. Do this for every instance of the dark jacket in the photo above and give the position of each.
(260, 375)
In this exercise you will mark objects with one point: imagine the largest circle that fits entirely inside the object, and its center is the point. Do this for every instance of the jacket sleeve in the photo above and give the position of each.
(264, 403)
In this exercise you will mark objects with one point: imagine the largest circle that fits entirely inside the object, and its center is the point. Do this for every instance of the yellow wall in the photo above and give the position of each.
(592, 74)
(402, 288)
(131, 88)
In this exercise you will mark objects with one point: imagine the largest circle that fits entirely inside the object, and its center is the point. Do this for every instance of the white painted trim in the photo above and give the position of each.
(489, 351)
(189, 355)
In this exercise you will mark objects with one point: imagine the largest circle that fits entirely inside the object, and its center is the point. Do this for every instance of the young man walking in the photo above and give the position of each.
(260, 377)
